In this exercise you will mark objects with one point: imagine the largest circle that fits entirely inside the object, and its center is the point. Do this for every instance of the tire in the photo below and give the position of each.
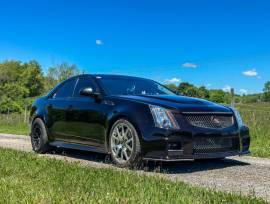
(120, 151)
(39, 137)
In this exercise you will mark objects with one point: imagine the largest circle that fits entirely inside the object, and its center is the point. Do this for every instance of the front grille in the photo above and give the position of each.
(213, 121)
(215, 144)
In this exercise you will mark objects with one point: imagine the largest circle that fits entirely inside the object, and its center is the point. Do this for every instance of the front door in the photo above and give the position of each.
(86, 119)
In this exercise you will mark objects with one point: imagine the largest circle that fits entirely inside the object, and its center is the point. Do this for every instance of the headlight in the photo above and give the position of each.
(163, 117)
(238, 117)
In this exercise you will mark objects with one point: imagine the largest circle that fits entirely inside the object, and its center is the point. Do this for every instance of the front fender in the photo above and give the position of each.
(138, 114)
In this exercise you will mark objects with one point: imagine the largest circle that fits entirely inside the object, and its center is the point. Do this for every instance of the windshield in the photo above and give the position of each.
(132, 86)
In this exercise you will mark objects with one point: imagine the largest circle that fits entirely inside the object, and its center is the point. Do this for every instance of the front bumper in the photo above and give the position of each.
(181, 145)
(179, 156)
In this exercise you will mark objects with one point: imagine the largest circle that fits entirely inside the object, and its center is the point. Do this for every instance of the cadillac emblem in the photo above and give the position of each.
(215, 121)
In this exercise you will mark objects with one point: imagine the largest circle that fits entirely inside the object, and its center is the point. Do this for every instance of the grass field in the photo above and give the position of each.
(27, 178)
(13, 124)
(19, 129)
(256, 116)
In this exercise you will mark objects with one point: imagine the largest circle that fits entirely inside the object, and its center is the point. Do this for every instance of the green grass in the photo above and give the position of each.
(19, 129)
(257, 118)
(27, 178)
(13, 124)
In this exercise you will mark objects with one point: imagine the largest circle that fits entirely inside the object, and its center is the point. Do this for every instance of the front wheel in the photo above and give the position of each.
(124, 144)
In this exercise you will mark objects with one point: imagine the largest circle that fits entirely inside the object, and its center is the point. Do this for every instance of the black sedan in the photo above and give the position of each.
(134, 119)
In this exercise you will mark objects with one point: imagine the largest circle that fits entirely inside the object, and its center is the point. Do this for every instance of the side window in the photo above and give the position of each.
(84, 83)
(66, 90)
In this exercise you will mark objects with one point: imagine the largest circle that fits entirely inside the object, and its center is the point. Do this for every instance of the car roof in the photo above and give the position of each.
(110, 76)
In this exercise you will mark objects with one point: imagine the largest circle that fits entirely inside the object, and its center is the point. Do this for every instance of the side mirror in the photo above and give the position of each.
(88, 91)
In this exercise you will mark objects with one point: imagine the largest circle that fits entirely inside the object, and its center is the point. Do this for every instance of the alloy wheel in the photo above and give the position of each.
(122, 142)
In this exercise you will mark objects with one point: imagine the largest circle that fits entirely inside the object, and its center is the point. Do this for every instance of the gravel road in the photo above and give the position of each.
(244, 175)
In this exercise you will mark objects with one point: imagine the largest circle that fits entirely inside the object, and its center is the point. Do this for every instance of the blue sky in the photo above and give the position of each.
(218, 44)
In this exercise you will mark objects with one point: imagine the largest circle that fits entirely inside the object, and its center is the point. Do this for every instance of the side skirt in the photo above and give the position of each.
(77, 146)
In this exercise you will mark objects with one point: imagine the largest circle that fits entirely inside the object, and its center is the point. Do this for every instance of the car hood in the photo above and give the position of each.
(182, 103)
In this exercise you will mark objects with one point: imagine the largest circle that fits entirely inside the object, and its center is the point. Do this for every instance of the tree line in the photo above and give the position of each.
(219, 95)
(187, 89)
(22, 82)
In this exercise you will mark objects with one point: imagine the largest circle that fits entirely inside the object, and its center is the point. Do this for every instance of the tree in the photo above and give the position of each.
(32, 78)
(21, 83)
(60, 73)
(266, 90)
(203, 93)
(11, 91)
(10, 71)
(188, 89)
(63, 71)
(172, 87)
(17, 82)
(11, 97)
(218, 96)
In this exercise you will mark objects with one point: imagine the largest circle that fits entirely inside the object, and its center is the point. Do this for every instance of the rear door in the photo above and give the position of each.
(58, 108)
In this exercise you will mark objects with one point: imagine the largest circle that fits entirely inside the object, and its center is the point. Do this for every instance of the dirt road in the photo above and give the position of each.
(245, 175)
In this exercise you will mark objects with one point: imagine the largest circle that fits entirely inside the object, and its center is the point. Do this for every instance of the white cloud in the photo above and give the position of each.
(99, 42)
(189, 65)
(173, 80)
(227, 88)
(243, 91)
(208, 85)
(251, 73)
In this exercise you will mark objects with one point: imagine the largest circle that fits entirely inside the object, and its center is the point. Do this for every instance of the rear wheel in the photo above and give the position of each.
(39, 137)
(124, 144)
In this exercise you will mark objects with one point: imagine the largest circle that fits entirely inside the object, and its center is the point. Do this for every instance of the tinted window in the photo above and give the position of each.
(132, 86)
(85, 82)
(66, 90)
